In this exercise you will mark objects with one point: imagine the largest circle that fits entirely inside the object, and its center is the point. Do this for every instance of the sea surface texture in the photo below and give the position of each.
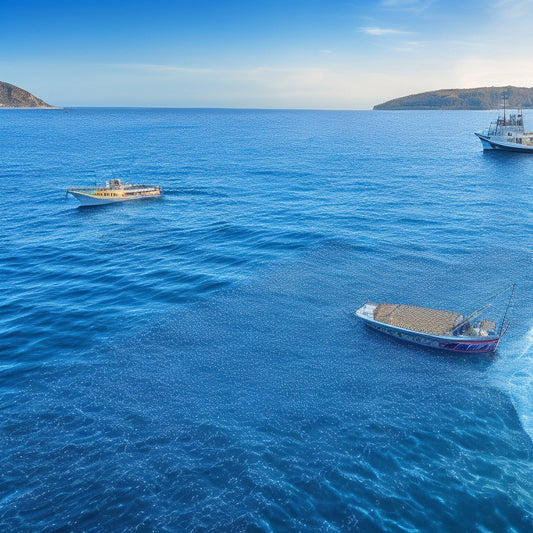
(193, 363)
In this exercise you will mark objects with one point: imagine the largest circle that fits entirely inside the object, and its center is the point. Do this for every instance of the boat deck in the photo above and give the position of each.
(420, 319)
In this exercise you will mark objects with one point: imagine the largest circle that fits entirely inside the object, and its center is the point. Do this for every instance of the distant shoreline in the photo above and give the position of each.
(250, 108)
(28, 107)
(266, 109)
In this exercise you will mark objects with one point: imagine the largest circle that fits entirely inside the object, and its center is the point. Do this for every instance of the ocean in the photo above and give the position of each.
(193, 363)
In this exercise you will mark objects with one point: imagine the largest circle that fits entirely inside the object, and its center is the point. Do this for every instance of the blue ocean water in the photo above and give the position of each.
(192, 363)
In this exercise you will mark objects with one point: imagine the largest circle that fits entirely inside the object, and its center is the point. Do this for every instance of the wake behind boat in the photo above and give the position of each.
(507, 133)
(114, 191)
(435, 328)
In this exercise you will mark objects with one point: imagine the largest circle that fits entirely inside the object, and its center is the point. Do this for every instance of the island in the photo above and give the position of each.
(456, 99)
(12, 96)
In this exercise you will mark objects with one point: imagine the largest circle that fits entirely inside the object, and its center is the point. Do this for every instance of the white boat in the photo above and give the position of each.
(113, 192)
(435, 328)
(507, 133)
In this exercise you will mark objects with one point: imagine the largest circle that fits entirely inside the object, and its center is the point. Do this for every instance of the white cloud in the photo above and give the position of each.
(374, 30)
(400, 3)
(407, 5)
(513, 9)
(147, 67)
(410, 46)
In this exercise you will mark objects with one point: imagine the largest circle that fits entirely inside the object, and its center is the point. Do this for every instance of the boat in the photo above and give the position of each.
(113, 192)
(507, 133)
(435, 328)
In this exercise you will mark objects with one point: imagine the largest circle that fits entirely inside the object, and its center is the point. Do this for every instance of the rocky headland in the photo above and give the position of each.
(13, 96)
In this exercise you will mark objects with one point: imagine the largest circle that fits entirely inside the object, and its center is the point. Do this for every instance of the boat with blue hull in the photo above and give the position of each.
(435, 328)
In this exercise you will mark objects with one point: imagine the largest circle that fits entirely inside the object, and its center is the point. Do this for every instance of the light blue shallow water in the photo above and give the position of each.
(193, 363)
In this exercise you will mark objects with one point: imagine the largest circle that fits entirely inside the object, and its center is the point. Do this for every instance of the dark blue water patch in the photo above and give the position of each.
(416, 221)
(263, 172)
(267, 404)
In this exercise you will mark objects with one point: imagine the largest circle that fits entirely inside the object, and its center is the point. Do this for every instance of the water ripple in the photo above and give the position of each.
(193, 363)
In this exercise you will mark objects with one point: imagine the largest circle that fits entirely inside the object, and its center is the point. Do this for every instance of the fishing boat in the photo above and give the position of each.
(435, 328)
(113, 192)
(507, 133)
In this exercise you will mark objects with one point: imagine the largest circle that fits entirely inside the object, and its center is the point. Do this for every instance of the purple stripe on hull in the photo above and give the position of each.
(472, 346)
(462, 346)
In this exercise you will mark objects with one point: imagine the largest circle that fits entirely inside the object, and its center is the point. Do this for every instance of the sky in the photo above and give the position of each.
(281, 54)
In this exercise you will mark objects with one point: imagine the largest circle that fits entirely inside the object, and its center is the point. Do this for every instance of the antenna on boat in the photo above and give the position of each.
(512, 287)
(504, 98)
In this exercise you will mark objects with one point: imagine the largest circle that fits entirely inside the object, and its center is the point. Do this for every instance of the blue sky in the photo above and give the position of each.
(336, 54)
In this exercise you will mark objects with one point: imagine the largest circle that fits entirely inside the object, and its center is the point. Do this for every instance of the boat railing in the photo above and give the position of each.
(500, 130)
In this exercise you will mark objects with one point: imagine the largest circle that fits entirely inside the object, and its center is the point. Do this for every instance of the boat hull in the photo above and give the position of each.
(490, 143)
(458, 343)
(88, 199)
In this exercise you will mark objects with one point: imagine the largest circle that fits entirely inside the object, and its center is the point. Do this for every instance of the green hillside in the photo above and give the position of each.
(480, 98)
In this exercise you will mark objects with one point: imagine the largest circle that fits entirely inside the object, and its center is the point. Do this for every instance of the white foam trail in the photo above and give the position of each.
(521, 384)
(529, 343)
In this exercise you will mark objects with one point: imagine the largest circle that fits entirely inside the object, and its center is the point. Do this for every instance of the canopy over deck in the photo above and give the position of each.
(421, 319)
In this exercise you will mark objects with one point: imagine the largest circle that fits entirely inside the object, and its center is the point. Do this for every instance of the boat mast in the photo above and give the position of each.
(506, 309)
(505, 98)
